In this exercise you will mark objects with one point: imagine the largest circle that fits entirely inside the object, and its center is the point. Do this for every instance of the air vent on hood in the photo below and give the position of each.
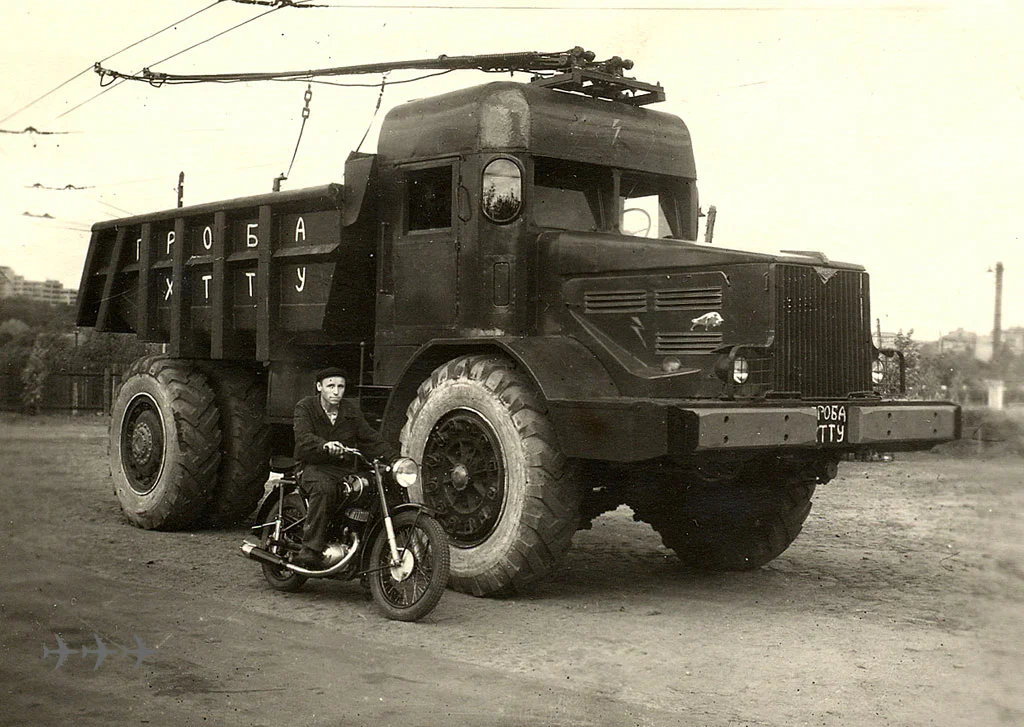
(686, 343)
(615, 301)
(688, 299)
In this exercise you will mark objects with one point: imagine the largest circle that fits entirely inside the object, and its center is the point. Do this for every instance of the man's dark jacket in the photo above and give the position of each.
(313, 428)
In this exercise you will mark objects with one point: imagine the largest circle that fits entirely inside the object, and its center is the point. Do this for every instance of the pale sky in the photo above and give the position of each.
(888, 134)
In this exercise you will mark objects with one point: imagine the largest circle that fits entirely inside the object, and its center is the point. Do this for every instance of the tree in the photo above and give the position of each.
(922, 376)
(12, 328)
(33, 378)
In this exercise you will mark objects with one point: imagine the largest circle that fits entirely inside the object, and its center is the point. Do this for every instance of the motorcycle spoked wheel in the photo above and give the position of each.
(410, 590)
(282, 579)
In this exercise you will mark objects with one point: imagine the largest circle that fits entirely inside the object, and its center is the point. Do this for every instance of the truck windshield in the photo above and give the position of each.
(577, 196)
(649, 205)
(570, 195)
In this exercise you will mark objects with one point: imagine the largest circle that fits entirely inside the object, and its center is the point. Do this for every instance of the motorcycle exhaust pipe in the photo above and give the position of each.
(251, 550)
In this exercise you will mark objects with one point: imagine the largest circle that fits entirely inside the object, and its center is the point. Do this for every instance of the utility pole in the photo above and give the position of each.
(997, 326)
(181, 188)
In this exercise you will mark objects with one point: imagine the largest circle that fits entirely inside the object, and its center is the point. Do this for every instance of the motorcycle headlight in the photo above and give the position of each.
(877, 371)
(740, 370)
(405, 471)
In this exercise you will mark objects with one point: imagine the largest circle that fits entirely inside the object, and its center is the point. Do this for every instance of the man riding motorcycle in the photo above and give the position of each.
(324, 424)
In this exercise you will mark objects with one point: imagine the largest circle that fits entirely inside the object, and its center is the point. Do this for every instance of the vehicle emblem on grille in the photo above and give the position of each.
(708, 321)
(825, 273)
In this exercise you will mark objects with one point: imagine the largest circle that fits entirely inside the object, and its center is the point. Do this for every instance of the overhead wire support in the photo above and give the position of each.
(307, 97)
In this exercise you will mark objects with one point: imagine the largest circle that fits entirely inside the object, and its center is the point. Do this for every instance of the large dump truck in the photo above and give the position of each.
(514, 282)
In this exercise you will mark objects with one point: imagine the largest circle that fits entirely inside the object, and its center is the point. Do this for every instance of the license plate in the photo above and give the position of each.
(831, 423)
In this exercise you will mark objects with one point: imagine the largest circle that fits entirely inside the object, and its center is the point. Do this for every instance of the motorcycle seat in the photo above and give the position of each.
(282, 464)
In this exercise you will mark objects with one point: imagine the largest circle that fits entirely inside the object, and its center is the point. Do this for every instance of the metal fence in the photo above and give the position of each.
(82, 392)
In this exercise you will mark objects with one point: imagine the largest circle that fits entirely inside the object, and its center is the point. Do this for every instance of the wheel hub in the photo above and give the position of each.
(460, 477)
(142, 444)
(405, 566)
(464, 476)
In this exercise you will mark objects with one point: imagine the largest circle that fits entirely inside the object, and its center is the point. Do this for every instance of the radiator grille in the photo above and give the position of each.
(615, 301)
(669, 344)
(822, 331)
(688, 299)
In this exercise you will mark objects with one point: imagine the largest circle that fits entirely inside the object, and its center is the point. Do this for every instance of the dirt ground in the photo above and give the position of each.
(899, 604)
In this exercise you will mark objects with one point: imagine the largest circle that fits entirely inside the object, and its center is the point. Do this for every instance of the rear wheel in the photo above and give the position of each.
(164, 443)
(407, 590)
(241, 397)
(290, 541)
(734, 525)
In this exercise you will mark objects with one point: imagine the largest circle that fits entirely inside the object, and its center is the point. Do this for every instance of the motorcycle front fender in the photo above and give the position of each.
(376, 527)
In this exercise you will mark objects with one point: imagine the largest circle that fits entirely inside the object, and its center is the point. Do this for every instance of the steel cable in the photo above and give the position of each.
(127, 47)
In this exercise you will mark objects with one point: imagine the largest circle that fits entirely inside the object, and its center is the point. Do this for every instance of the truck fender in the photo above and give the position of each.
(562, 368)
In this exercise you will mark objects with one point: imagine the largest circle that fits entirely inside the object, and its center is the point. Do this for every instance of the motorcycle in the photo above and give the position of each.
(376, 534)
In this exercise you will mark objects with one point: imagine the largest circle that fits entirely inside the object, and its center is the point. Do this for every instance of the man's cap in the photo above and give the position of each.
(329, 372)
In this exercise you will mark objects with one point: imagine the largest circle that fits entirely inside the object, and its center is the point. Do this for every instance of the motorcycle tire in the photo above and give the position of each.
(282, 579)
(410, 591)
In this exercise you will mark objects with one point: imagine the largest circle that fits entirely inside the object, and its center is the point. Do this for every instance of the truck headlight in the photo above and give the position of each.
(740, 370)
(405, 471)
(877, 371)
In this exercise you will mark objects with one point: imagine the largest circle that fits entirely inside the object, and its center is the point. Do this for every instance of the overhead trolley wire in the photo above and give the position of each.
(89, 68)
(117, 82)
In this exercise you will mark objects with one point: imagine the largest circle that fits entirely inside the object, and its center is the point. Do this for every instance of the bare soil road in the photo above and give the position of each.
(900, 604)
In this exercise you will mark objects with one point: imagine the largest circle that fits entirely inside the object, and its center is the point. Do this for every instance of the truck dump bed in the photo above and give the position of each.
(246, 278)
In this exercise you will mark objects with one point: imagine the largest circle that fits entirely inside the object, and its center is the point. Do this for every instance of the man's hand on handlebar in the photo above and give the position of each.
(337, 449)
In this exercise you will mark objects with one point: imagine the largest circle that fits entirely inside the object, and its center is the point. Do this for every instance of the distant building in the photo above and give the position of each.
(959, 341)
(53, 292)
(1013, 342)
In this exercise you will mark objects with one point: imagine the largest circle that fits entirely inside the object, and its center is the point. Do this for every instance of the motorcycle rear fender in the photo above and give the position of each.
(371, 534)
(268, 503)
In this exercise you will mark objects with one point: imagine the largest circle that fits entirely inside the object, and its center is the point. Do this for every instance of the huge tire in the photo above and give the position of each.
(730, 526)
(410, 590)
(164, 443)
(493, 472)
(241, 398)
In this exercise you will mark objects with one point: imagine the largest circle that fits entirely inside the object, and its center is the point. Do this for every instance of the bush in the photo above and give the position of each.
(987, 431)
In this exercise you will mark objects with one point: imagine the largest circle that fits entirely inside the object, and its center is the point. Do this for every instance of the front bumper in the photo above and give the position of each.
(629, 430)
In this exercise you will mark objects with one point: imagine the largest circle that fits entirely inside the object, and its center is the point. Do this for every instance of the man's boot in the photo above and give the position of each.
(309, 559)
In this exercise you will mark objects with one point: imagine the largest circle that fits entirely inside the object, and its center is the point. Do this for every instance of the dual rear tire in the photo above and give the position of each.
(187, 446)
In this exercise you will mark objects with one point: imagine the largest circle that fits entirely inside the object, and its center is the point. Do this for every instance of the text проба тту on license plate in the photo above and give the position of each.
(831, 423)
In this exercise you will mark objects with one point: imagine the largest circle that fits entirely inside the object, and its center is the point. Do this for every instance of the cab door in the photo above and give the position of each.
(425, 248)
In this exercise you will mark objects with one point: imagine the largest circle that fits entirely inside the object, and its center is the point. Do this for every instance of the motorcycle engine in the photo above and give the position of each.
(334, 553)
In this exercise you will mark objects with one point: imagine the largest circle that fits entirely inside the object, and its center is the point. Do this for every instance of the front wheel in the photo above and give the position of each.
(408, 589)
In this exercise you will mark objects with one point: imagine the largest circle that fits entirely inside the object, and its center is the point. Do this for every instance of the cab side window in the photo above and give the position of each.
(429, 198)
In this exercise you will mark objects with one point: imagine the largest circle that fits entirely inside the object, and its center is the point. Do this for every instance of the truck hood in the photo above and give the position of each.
(590, 253)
